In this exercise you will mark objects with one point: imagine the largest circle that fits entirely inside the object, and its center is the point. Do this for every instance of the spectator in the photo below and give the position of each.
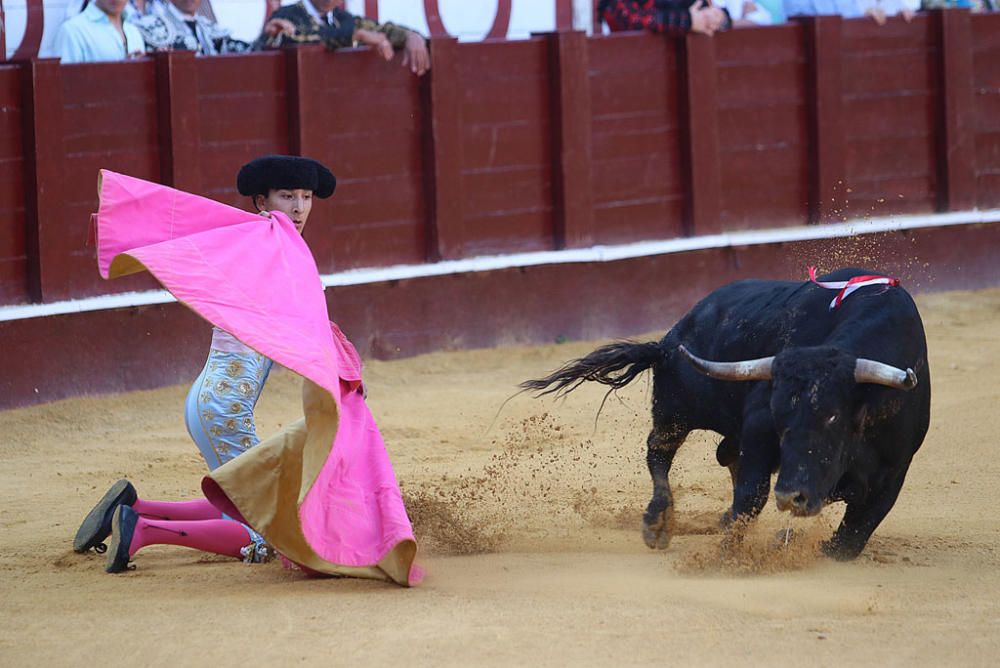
(672, 17)
(74, 7)
(974, 5)
(99, 33)
(880, 10)
(178, 25)
(142, 7)
(328, 22)
(753, 12)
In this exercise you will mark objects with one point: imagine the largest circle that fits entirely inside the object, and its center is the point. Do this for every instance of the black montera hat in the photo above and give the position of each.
(274, 172)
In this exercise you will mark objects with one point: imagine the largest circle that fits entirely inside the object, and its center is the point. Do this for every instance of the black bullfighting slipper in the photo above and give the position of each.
(122, 528)
(97, 525)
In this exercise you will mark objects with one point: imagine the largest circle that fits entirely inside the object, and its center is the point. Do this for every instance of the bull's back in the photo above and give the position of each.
(746, 319)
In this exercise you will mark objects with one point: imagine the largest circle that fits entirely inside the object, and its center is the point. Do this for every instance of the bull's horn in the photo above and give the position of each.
(759, 369)
(870, 371)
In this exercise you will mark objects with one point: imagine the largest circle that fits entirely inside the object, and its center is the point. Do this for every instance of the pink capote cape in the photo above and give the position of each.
(322, 491)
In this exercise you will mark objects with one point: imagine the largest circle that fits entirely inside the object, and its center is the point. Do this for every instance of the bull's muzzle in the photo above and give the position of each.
(796, 501)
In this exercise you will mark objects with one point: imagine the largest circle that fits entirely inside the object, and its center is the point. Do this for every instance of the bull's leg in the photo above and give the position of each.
(753, 484)
(657, 523)
(728, 455)
(862, 518)
(758, 458)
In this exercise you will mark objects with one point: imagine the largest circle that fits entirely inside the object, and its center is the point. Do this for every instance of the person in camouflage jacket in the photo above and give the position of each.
(327, 22)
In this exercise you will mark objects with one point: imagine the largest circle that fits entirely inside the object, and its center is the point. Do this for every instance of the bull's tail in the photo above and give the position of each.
(616, 364)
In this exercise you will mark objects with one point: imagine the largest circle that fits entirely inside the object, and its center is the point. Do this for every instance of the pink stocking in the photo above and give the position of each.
(224, 537)
(198, 509)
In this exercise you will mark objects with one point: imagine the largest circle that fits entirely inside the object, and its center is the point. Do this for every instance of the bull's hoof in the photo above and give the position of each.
(726, 520)
(840, 551)
(657, 533)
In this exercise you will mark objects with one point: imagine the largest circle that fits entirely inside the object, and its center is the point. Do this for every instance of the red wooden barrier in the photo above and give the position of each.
(443, 152)
(573, 216)
(13, 253)
(762, 128)
(363, 118)
(506, 167)
(637, 182)
(957, 164)
(558, 141)
(891, 86)
(243, 113)
(109, 119)
(986, 117)
(824, 106)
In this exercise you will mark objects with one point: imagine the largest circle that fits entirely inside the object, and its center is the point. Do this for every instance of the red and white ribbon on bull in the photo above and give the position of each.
(845, 288)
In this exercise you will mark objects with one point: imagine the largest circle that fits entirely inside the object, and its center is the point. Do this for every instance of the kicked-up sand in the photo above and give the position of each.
(529, 530)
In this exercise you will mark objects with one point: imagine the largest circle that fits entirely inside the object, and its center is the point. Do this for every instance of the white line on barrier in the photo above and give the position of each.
(576, 255)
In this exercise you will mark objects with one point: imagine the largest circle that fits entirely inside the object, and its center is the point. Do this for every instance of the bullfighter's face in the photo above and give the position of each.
(294, 203)
(812, 403)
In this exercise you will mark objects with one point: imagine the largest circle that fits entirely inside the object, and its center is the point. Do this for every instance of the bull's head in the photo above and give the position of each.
(813, 404)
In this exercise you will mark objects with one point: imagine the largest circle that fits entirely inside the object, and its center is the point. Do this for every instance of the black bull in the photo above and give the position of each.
(836, 401)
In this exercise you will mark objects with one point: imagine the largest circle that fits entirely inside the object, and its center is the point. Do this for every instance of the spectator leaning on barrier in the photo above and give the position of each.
(672, 17)
(328, 22)
(177, 25)
(878, 10)
(99, 33)
(973, 5)
(848, 9)
(754, 12)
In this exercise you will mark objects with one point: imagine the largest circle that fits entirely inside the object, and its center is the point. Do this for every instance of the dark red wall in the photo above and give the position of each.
(636, 176)
(13, 253)
(891, 89)
(506, 160)
(986, 83)
(763, 133)
(242, 113)
(557, 141)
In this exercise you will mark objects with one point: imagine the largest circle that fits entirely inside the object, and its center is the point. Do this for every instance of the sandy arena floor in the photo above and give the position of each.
(529, 533)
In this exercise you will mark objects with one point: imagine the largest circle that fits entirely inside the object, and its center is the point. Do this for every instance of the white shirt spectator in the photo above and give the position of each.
(75, 7)
(889, 7)
(757, 14)
(90, 37)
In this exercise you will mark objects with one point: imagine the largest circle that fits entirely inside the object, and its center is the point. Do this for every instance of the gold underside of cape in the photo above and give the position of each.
(268, 483)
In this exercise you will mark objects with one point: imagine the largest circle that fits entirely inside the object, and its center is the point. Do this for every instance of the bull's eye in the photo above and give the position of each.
(833, 419)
